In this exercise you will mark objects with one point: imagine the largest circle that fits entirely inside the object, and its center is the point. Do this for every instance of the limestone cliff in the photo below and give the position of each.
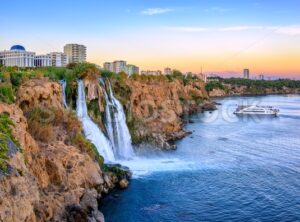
(49, 180)
(156, 108)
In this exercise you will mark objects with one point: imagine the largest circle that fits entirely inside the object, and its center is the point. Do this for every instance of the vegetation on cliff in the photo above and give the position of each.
(48, 124)
(6, 93)
(6, 138)
(239, 86)
(214, 85)
(279, 84)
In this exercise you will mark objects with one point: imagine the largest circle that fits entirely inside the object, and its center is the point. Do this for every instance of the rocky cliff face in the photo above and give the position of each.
(49, 181)
(94, 91)
(40, 92)
(156, 108)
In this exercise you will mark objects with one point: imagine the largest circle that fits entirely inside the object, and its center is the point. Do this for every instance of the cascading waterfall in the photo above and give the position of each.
(116, 127)
(91, 130)
(64, 84)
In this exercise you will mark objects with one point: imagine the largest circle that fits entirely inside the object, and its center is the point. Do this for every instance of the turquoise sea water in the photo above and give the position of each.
(229, 169)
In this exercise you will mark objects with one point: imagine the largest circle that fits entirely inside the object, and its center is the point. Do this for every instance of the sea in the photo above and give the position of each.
(229, 169)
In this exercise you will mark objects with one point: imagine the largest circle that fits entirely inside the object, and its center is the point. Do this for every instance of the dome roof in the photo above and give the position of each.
(17, 47)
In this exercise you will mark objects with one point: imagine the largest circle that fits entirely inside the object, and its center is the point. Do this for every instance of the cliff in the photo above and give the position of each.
(51, 172)
(156, 108)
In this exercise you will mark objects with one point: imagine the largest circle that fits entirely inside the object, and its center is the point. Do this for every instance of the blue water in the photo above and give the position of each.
(229, 169)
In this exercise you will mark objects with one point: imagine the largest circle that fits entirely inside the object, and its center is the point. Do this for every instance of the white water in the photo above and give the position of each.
(91, 130)
(117, 128)
(143, 166)
(63, 85)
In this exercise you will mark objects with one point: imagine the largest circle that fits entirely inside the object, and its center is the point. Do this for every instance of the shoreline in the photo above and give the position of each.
(251, 95)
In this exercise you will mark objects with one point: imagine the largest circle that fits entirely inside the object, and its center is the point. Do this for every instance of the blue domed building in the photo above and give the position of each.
(17, 47)
(17, 56)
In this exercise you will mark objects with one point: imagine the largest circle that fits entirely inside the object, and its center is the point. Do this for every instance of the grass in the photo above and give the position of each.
(6, 93)
(5, 136)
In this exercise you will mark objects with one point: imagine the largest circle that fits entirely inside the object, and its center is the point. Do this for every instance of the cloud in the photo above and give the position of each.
(284, 30)
(288, 30)
(156, 11)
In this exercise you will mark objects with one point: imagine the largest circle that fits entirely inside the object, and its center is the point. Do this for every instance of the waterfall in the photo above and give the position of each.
(91, 130)
(63, 85)
(116, 127)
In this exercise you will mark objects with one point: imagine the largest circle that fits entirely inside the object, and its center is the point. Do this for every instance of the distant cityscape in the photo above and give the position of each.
(18, 56)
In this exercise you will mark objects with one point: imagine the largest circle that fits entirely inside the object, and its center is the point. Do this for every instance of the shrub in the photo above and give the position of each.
(16, 78)
(85, 69)
(213, 85)
(5, 137)
(79, 141)
(6, 93)
(40, 124)
(55, 73)
(196, 96)
(72, 124)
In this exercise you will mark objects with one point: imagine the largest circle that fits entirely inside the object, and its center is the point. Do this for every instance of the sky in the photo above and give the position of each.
(221, 37)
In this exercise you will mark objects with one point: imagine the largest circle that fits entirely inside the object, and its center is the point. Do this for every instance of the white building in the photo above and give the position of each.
(42, 61)
(75, 52)
(151, 72)
(58, 59)
(168, 71)
(132, 69)
(17, 56)
(120, 66)
(108, 66)
(246, 74)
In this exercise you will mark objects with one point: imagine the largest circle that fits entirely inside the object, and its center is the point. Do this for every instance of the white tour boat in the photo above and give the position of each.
(256, 110)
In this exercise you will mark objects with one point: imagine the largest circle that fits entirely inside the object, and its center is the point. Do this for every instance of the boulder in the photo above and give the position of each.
(123, 183)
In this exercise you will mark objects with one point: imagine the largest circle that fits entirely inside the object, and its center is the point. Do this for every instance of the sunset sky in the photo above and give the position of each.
(221, 36)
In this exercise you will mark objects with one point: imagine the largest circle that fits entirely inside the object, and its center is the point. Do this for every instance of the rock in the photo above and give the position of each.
(217, 93)
(89, 200)
(99, 217)
(94, 91)
(123, 183)
(39, 92)
(209, 106)
(119, 171)
(158, 108)
(74, 213)
(48, 181)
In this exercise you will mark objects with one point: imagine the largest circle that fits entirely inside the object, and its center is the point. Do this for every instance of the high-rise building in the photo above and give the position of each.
(58, 59)
(42, 61)
(168, 71)
(17, 56)
(75, 52)
(109, 66)
(119, 66)
(132, 69)
(1, 60)
(261, 77)
(246, 73)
